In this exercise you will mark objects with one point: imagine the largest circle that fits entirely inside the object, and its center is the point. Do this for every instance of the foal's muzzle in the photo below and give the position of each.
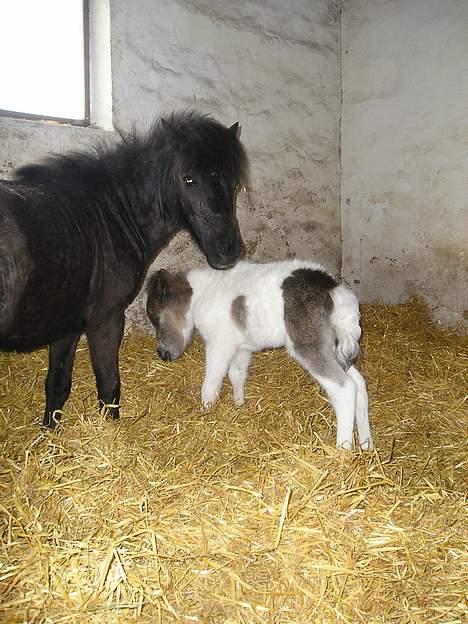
(165, 355)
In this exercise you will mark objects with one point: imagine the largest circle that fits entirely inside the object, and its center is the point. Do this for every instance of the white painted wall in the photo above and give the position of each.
(274, 66)
(405, 152)
(271, 65)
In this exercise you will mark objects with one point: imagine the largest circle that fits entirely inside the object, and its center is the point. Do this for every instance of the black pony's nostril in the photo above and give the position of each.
(228, 255)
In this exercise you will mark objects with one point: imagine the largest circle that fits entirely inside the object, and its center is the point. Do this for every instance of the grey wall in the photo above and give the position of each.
(272, 66)
(275, 68)
(405, 151)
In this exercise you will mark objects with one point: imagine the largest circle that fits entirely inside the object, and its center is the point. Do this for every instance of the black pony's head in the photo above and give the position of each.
(209, 166)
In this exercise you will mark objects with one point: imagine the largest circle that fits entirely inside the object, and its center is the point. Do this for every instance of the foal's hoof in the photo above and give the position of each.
(367, 445)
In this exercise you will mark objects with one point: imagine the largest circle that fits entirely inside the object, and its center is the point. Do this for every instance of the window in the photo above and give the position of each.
(45, 60)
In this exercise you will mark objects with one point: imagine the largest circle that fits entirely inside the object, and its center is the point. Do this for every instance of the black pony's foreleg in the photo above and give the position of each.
(104, 342)
(59, 376)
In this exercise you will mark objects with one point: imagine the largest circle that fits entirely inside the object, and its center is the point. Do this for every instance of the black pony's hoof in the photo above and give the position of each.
(51, 420)
(113, 414)
(109, 410)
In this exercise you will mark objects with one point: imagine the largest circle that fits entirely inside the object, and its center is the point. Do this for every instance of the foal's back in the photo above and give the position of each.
(251, 295)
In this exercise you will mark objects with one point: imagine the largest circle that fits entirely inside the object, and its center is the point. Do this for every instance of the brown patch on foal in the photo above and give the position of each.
(169, 299)
(307, 308)
(239, 311)
(165, 290)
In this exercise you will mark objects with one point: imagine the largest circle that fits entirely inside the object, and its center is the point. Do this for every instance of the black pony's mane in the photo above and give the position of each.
(199, 138)
(117, 179)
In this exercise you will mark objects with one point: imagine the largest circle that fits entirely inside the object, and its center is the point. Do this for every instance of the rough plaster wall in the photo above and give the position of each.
(404, 151)
(272, 66)
(23, 141)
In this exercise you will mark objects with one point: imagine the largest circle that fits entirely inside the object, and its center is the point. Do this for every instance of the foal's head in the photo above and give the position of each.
(168, 308)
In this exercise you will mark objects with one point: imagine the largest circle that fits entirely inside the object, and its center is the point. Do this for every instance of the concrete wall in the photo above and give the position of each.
(405, 151)
(272, 66)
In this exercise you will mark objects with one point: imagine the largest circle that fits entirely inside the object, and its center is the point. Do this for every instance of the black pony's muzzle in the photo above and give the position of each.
(228, 257)
(222, 266)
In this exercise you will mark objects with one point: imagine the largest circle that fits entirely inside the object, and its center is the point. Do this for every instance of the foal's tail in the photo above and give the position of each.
(345, 322)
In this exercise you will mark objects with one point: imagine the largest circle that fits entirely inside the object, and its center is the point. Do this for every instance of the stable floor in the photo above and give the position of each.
(240, 514)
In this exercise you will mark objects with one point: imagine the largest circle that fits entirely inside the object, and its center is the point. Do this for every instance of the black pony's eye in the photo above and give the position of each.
(188, 180)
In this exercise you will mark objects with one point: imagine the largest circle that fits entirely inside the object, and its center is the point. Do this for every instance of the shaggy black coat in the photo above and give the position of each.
(78, 232)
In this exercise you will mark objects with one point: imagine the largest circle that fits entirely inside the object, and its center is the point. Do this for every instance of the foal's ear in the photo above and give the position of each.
(158, 285)
(235, 130)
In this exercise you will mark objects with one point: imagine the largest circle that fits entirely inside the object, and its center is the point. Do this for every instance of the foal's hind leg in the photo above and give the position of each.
(362, 413)
(340, 388)
(104, 343)
(58, 381)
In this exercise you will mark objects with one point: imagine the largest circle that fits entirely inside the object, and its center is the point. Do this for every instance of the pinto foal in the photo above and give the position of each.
(251, 307)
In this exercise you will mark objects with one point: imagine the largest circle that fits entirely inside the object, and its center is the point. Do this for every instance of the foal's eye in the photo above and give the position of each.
(188, 180)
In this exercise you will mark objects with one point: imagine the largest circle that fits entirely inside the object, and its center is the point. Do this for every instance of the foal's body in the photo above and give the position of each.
(251, 307)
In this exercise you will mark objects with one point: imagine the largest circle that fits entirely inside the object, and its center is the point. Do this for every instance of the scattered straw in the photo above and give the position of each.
(239, 515)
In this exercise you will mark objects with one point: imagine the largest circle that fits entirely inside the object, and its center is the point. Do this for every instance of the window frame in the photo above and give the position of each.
(86, 120)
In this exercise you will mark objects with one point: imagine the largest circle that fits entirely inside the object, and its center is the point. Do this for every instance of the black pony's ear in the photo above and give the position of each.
(235, 130)
(158, 285)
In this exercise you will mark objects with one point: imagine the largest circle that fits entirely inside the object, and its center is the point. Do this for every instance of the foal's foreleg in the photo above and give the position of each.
(218, 358)
(59, 376)
(238, 371)
(104, 343)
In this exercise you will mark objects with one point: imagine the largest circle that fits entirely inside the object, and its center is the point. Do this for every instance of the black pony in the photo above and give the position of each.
(78, 232)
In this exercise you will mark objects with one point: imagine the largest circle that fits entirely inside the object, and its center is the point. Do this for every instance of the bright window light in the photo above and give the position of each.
(42, 47)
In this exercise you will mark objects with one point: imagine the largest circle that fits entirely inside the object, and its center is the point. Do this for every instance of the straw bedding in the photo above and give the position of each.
(239, 514)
